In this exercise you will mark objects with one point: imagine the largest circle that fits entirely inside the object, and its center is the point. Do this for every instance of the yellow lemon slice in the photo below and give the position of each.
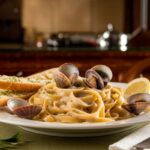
(138, 85)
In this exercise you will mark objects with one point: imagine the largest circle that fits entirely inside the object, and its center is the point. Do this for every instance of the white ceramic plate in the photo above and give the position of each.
(75, 129)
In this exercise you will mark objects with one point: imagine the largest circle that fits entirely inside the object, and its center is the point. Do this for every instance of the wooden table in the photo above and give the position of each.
(32, 61)
(42, 142)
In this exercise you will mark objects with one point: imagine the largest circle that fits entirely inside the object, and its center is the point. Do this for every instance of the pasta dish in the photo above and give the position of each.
(61, 95)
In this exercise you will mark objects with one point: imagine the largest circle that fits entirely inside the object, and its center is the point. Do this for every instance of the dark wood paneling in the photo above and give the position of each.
(32, 62)
(11, 21)
(132, 20)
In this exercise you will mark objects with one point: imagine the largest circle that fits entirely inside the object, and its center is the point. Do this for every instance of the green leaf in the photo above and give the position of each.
(14, 138)
(11, 142)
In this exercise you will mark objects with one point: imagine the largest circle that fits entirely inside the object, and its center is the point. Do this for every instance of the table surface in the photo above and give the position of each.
(43, 142)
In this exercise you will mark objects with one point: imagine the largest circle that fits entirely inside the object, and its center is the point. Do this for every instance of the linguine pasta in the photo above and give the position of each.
(79, 104)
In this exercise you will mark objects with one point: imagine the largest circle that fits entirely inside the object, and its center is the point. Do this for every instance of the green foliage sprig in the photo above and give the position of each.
(11, 142)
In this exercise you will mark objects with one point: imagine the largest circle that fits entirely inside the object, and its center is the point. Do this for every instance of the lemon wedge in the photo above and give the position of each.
(138, 85)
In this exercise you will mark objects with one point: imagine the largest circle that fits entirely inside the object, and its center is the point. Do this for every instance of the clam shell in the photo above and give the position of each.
(68, 69)
(137, 103)
(140, 97)
(61, 79)
(73, 78)
(28, 112)
(104, 71)
(136, 108)
(13, 103)
(91, 82)
(93, 79)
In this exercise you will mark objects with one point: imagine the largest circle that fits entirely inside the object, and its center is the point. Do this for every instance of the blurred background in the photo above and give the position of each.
(69, 30)
(77, 22)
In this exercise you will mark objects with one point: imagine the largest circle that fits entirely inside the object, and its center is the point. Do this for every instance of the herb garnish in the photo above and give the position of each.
(11, 142)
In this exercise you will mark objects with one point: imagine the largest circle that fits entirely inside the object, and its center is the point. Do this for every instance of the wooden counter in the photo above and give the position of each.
(30, 62)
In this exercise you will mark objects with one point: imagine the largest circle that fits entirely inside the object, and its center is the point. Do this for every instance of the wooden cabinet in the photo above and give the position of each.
(11, 30)
(30, 62)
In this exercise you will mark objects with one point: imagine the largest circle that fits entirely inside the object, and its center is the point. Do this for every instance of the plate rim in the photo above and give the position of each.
(14, 120)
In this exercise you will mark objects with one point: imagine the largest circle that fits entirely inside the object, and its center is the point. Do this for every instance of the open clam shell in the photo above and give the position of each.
(137, 108)
(22, 109)
(138, 103)
(93, 79)
(28, 112)
(66, 75)
(140, 97)
(70, 70)
(13, 103)
(104, 71)
(61, 80)
(98, 76)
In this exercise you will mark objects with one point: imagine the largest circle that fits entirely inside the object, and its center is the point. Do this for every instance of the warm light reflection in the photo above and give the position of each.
(123, 48)
(103, 43)
(123, 42)
(39, 44)
(123, 39)
(106, 35)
